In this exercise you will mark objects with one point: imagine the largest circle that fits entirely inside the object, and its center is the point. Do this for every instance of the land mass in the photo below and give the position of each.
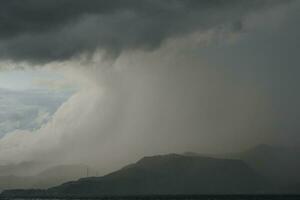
(186, 174)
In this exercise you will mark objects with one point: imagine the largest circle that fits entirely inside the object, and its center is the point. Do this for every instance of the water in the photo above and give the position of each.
(168, 197)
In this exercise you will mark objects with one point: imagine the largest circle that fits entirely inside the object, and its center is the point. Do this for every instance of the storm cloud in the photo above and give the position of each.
(44, 31)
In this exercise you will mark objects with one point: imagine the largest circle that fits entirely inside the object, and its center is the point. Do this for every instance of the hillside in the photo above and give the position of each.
(167, 174)
(48, 178)
(262, 169)
(279, 165)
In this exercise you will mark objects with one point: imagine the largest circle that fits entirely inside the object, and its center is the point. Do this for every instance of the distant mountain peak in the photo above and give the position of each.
(158, 157)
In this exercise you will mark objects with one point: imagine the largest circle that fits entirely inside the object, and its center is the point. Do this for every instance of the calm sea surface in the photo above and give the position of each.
(170, 197)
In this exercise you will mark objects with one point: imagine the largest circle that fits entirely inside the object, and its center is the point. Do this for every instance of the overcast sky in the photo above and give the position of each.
(112, 81)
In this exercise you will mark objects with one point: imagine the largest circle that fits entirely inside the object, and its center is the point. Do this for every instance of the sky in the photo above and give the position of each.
(26, 104)
(26, 79)
(106, 82)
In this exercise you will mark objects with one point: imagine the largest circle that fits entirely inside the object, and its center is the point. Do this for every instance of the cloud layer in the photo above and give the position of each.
(48, 31)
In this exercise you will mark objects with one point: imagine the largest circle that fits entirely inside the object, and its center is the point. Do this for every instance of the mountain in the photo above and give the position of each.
(165, 174)
(261, 169)
(279, 165)
(48, 178)
(60, 174)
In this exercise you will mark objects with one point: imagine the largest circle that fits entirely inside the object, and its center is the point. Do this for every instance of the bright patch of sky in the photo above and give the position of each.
(29, 98)
(26, 79)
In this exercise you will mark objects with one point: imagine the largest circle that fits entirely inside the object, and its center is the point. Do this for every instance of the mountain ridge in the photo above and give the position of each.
(187, 173)
(48, 177)
(168, 174)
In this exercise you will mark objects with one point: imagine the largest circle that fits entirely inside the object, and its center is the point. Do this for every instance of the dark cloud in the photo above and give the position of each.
(49, 30)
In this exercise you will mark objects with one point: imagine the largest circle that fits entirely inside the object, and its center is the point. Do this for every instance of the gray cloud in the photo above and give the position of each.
(45, 31)
(268, 54)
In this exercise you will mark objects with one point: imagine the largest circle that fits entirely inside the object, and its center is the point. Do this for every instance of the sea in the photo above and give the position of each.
(166, 197)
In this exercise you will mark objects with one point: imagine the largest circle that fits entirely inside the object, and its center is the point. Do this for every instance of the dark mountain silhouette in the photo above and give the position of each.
(279, 165)
(166, 174)
(262, 169)
(275, 162)
(48, 178)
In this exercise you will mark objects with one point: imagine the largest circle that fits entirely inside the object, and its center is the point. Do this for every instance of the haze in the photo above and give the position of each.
(134, 78)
